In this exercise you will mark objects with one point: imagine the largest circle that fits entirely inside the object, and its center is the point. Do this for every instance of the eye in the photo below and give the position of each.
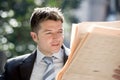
(60, 31)
(48, 32)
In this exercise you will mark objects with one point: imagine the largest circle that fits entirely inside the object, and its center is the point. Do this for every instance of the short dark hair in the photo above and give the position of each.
(42, 14)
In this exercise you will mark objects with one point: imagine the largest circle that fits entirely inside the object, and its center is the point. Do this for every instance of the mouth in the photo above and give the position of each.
(56, 44)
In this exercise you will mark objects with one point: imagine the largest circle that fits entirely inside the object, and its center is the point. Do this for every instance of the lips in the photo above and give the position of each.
(55, 44)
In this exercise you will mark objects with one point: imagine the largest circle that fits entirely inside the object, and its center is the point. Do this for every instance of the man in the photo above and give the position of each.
(47, 32)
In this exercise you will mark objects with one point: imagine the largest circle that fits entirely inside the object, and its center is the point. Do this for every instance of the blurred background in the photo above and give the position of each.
(14, 20)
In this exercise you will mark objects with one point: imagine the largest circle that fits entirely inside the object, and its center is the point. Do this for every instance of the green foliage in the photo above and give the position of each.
(71, 4)
(14, 23)
(14, 32)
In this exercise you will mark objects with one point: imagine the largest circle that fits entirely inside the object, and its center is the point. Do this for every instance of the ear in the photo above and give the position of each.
(34, 36)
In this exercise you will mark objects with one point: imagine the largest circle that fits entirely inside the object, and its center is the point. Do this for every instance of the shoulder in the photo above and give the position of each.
(16, 60)
(13, 64)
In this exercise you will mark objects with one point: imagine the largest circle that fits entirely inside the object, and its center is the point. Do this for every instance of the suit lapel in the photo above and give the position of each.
(26, 66)
(66, 53)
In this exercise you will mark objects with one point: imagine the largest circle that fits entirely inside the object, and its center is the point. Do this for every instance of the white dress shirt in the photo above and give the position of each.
(40, 65)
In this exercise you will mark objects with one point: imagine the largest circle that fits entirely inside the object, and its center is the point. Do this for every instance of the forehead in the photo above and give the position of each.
(51, 25)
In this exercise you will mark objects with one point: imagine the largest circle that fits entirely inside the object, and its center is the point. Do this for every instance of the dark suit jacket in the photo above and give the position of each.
(20, 68)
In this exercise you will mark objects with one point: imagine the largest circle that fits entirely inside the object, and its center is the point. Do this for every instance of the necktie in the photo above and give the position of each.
(49, 73)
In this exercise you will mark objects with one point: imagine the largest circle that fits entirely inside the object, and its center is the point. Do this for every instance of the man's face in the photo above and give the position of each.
(50, 37)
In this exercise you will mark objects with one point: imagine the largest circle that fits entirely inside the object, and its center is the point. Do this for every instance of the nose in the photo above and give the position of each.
(55, 36)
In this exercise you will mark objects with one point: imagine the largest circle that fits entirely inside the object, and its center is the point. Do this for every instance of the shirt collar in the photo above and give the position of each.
(59, 54)
(40, 55)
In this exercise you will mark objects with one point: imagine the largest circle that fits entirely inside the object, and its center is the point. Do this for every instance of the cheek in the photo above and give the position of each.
(45, 40)
(62, 38)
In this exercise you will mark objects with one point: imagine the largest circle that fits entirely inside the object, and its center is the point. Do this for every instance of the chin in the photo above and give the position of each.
(55, 50)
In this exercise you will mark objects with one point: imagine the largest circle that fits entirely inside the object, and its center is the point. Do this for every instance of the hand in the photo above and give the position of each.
(117, 74)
